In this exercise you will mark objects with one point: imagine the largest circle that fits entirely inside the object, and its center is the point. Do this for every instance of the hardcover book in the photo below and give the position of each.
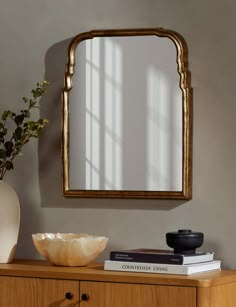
(160, 256)
(157, 268)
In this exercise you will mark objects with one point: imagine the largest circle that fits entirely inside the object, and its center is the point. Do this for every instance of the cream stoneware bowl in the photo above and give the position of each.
(69, 249)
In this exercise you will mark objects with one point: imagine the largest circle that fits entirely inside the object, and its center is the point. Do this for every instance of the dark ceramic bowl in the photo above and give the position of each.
(184, 241)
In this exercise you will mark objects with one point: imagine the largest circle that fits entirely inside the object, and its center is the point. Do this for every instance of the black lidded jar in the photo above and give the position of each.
(184, 241)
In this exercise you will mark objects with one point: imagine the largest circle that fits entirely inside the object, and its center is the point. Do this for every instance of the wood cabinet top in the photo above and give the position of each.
(96, 272)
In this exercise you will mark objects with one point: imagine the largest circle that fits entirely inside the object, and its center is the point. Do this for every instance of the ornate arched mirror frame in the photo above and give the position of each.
(185, 86)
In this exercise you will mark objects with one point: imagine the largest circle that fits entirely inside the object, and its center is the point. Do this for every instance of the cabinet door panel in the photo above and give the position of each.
(224, 295)
(54, 294)
(36, 292)
(21, 292)
(101, 294)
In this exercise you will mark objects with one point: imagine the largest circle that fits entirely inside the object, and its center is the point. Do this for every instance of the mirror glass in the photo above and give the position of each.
(126, 115)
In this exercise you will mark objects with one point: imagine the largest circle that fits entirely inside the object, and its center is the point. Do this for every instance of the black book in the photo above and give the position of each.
(159, 256)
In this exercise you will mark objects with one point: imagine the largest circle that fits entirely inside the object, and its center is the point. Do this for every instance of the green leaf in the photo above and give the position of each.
(18, 133)
(2, 154)
(9, 165)
(8, 145)
(39, 131)
(37, 92)
(31, 125)
(19, 119)
(2, 134)
(9, 152)
(9, 148)
(6, 114)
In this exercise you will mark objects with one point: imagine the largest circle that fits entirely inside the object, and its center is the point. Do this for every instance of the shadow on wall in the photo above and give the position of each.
(50, 162)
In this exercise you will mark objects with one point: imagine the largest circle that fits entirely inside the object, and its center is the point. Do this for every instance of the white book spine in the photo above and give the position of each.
(161, 268)
(198, 258)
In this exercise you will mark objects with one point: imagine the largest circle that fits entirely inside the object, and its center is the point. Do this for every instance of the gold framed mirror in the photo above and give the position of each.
(127, 115)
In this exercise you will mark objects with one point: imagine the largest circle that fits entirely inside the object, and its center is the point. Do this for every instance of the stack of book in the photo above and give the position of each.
(161, 262)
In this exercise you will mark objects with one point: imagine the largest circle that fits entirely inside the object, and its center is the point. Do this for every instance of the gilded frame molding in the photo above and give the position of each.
(187, 94)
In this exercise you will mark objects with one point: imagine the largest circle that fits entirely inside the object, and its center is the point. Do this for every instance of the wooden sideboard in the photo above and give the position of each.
(35, 283)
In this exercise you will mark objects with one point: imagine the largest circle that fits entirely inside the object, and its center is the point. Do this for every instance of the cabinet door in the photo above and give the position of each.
(103, 294)
(60, 293)
(36, 292)
(21, 292)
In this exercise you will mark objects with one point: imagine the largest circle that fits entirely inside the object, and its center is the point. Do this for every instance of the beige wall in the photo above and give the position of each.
(34, 36)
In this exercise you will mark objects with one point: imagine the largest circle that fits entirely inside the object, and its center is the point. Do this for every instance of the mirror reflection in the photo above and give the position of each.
(126, 119)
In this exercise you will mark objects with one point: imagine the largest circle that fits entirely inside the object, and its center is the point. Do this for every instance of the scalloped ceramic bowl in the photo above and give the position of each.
(68, 249)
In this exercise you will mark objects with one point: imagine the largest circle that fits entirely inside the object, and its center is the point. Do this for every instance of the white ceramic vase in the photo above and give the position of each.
(9, 222)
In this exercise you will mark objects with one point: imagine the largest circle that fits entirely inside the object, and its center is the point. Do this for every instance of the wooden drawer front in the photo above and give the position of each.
(103, 294)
